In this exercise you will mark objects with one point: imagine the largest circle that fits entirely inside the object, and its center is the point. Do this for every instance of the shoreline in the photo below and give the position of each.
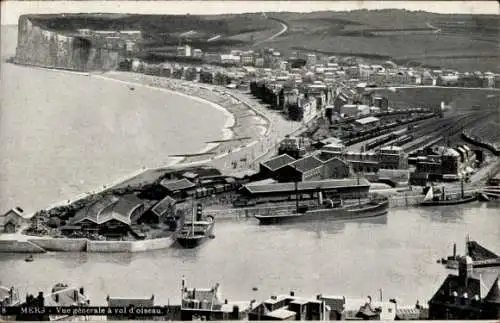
(175, 87)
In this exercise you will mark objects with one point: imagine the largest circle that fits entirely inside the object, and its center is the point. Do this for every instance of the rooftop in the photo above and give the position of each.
(125, 302)
(307, 163)
(308, 185)
(162, 206)
(367, 120)
(109, 208)
(281, 313)
(177, 185)
(278, 162)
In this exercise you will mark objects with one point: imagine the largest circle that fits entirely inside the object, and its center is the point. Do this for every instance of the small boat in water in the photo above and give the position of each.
(432, 199)
(197, 230)
(29, 258)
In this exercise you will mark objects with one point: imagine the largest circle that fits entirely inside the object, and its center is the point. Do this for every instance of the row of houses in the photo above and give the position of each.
(389, 157)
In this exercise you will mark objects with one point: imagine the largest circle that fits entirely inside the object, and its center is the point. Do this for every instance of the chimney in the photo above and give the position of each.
(292, 293)
(82, 291)
(56, 297)
(41, 300)
(225, 301)
(236, 312)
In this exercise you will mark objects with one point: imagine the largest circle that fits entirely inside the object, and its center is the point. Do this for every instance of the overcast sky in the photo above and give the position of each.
(11, 10)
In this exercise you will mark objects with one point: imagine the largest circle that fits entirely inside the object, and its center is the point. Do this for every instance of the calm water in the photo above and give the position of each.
(65, 134)
(397, 253)
(62, 134)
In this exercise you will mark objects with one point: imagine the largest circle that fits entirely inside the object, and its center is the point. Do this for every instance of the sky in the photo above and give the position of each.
(11, 9)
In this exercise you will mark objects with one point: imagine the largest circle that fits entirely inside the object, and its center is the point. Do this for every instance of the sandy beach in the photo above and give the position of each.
(243, 122)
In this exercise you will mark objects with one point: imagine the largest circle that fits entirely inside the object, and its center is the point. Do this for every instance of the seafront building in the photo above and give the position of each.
(472, 294)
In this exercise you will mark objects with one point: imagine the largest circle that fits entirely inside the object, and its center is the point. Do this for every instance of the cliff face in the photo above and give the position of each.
(45, 48)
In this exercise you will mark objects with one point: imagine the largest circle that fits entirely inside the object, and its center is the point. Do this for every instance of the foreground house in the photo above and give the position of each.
(472, 294)
(127, 302)
(60, 295)
(206, 304)
(290, 308)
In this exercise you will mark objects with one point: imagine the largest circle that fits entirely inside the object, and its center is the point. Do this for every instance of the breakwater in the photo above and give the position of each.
(42, 245)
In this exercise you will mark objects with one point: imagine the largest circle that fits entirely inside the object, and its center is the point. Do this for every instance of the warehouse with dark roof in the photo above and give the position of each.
(347, 188)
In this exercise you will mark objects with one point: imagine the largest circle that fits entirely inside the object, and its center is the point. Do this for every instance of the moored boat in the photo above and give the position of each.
(432, 199)
(330, 211)
(196, 231)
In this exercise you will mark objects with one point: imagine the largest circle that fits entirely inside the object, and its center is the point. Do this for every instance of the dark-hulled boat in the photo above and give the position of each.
(432, 199)
(331, 211)
(197, 230)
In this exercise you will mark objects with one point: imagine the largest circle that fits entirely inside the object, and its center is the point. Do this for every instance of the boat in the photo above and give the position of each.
(29, 258)
(197, 230)
(328, 210)
(432, 199)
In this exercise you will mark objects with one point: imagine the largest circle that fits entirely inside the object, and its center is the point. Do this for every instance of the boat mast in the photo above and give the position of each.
(462, 186)
(359, 194)
(192, 217)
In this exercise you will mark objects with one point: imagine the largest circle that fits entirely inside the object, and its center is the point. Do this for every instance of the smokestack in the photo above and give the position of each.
(292, 293)
(454, 250)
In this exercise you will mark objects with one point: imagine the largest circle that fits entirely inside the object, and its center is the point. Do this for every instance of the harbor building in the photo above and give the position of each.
(12, 220)
(392, 157)
(446, 163)
(269, 168)
(472, 294)
(178, 188)
(160, 211)
(290, 308)
(292, 146)
(365, 123)
(111, 217)
(267, 191)
(318, 166)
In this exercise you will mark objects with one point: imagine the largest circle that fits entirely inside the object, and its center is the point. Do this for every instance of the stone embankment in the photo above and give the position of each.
(39, 46)
(42, 245)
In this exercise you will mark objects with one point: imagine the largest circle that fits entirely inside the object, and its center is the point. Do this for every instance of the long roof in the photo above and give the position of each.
(367, 120)
(278, 162)
(109, 208)
(177, 185)
(307, 185)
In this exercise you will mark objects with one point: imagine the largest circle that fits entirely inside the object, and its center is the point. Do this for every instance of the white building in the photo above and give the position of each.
(184, 51)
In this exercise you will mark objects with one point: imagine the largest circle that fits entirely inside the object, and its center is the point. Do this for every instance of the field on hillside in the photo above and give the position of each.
(160, 31)
(464, 42)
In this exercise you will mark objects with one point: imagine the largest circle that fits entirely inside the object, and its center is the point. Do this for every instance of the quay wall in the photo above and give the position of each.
(38, 46)
(61, 244)
(109, 246)
(41, 245)
(17, 246)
